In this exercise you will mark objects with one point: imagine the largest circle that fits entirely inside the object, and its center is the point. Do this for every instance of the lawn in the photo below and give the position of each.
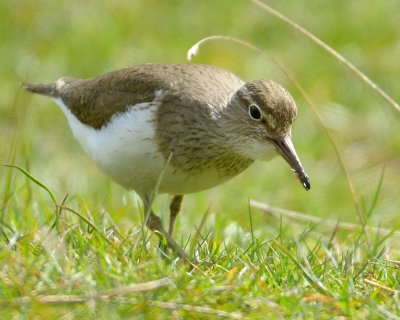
(72, 244)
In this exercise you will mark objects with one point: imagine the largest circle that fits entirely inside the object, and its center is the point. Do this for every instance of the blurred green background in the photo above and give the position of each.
(42, 40)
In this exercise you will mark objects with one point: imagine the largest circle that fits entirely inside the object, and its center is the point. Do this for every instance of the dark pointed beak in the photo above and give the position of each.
(285, 148)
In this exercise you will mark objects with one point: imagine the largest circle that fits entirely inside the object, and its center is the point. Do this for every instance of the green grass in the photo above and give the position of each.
(77, 250)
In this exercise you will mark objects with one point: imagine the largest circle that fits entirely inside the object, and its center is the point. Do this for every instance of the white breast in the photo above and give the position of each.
(125, 149)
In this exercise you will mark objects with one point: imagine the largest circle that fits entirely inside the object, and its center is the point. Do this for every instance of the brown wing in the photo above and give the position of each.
(96, 100)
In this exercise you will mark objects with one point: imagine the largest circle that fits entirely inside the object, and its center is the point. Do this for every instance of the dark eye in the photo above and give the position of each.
(254, 112)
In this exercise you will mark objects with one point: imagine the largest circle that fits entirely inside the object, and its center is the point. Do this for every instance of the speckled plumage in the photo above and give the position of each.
(206, 120)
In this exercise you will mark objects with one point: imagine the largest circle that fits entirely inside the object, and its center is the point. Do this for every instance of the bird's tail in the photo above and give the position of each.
(41, 88)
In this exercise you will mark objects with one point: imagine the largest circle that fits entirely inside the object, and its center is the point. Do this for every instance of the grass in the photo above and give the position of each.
(85, 268)
(71, 243)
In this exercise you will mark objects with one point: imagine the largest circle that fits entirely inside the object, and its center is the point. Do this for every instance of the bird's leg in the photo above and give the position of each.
(174, 209)
(155, 225)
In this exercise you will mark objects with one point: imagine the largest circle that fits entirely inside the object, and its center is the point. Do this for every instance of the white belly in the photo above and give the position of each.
(124, 149)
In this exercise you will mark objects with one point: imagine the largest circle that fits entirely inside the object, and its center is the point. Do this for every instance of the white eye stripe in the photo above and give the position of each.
(254, 112)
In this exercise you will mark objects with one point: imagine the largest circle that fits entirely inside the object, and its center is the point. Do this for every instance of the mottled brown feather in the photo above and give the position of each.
(94, 101)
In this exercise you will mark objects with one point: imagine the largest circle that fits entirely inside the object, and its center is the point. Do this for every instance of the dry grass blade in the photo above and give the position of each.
(137, 287)
(266, 208)
(99, 296)
(381, 286)
(395, 262)
(331, 51)
(197, 309)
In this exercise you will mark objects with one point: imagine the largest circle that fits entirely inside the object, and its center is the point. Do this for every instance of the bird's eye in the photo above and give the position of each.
(254, 112)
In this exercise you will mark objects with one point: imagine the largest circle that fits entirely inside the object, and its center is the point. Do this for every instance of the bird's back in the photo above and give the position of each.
(94, 101)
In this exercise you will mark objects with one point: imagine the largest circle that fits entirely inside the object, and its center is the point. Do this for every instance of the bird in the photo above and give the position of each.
(176, 128)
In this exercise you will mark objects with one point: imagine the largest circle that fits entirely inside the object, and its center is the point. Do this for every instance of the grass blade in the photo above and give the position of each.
(33, 179)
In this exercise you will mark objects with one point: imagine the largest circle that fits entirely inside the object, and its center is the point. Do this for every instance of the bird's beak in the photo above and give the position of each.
(284, 146)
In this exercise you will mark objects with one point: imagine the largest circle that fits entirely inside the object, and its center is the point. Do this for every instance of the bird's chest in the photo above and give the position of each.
(193, 175)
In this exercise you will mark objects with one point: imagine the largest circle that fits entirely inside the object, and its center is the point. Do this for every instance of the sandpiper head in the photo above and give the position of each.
(270, 105)
(267, 111)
